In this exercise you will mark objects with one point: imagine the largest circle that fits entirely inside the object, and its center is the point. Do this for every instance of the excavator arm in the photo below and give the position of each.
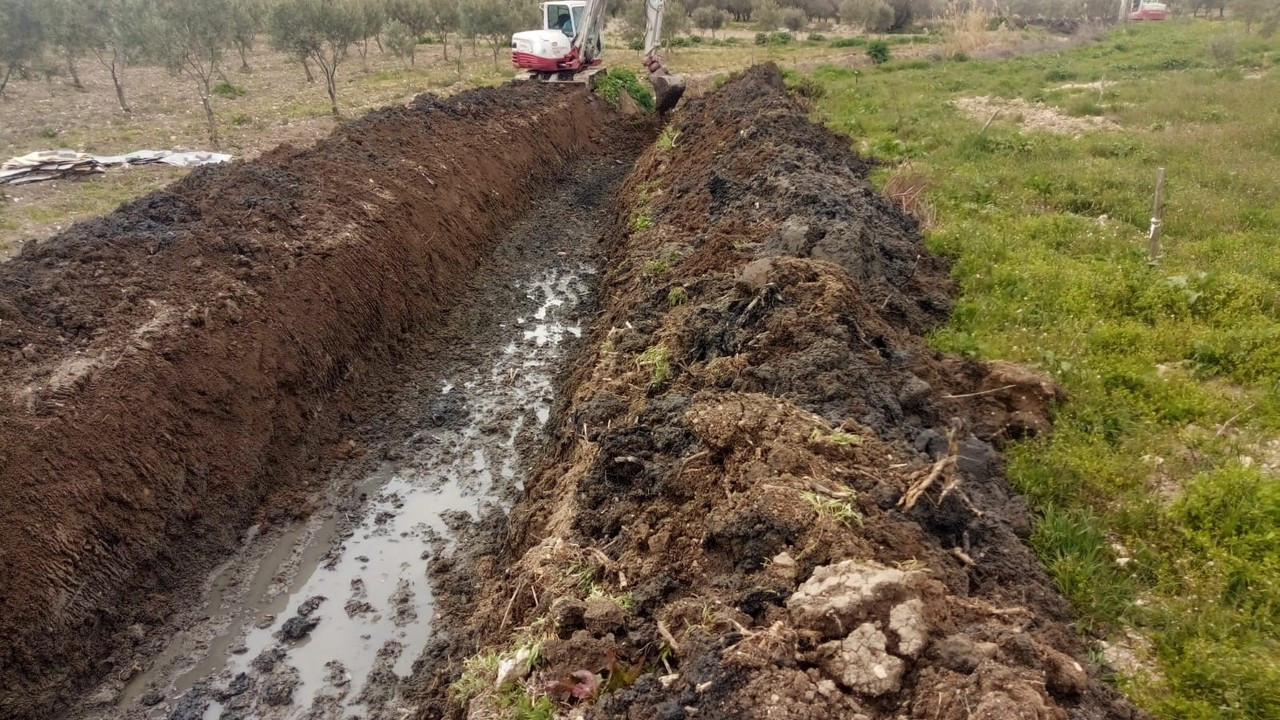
(668, 87)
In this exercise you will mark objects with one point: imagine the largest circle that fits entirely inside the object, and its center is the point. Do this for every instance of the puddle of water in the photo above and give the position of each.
(378, 603)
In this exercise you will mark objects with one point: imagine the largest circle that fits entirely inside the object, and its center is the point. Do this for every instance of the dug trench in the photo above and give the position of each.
(765, 495)
(208, 396)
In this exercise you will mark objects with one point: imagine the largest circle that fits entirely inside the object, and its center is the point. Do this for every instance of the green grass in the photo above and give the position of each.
(1153, 510)
(839, 511)
(658, 360)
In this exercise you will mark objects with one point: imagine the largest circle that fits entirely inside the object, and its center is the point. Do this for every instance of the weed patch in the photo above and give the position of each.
(620, 80)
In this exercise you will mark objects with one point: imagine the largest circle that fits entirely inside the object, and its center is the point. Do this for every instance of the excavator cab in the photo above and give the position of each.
(556, 15)
(569, 46)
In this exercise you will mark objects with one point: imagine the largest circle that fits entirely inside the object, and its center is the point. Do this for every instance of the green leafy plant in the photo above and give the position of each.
(667, 138)
(677, 297)
(878, 51)
(841, 511)
(227, 90)
(658, 360)
(619, 81)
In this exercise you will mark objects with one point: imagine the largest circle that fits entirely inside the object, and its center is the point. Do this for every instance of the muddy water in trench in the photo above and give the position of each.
(325, 619)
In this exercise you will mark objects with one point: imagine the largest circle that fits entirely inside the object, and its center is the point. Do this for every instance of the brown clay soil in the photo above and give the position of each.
(182, 368)
(766, 497)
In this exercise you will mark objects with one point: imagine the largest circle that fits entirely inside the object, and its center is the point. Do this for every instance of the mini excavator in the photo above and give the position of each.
(569, 46)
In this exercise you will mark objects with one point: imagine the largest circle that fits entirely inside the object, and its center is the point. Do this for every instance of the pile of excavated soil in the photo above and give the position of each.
(767, 496)
(177, 370)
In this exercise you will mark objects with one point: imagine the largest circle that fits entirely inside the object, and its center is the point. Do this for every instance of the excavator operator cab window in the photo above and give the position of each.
(559, 18)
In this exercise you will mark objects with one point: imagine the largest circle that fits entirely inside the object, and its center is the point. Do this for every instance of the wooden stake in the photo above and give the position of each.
(987, 124)
(1157, 217)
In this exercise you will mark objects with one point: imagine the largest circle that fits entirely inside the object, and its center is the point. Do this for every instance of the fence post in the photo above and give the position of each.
(1157, 217)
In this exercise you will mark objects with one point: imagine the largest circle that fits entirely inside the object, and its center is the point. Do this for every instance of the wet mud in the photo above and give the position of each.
(181, 377)
(768, 497)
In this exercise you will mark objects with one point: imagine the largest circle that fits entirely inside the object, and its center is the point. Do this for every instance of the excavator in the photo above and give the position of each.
(569, 46)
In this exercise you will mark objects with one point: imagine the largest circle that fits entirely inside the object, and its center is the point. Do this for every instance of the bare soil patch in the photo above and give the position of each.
(1030, 116)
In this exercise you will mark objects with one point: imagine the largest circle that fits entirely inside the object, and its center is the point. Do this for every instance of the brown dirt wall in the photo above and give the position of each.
(179, 369)
(767, 497)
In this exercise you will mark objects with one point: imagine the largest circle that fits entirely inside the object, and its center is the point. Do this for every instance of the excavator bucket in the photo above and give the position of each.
(667, 89)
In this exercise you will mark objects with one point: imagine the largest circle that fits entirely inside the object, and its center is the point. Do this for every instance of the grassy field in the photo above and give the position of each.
(1157, 496)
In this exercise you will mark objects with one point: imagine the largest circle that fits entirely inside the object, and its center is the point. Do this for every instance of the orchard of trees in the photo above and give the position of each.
(200, 39)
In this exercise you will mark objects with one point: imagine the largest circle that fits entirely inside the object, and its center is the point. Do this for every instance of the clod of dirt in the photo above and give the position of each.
(603, 615)
(310, 605)
(279, 689)
(297, 627)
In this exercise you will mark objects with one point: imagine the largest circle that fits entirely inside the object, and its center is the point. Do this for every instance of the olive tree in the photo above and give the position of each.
(872, 15)
(124, 30)
(415, 15)
(320, 30)
(399, 40)
(247, 19)
(373, 15)
(72, 27)
(445, 19)
(709, 18)
(191, 37)
(494, 21)
(794, 19)
(21, 38)
(767, 15)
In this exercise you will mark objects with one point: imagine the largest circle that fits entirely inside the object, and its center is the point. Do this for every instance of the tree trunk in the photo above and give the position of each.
(307, 66)
(244, 60)
(378, 39)
(74, 71)
(117, 79)
(444, 43)
(331, 84)
(495, 55)
(207, 102)
(8, 72)
(413, 53)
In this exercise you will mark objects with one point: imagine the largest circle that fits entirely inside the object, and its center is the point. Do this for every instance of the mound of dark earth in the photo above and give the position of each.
(767, 497)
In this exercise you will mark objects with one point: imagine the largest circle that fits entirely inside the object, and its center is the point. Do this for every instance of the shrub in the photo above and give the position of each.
(848, 42)
(878, 51)
(227, 90)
